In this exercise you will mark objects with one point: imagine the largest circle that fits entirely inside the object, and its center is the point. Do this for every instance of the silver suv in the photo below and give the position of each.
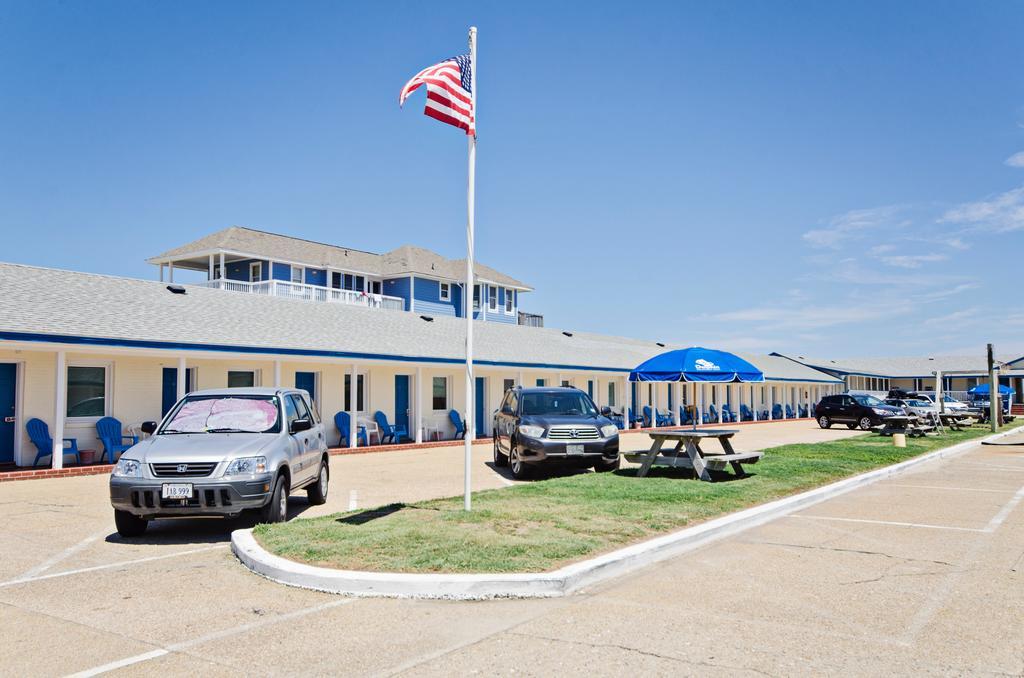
(219, 452)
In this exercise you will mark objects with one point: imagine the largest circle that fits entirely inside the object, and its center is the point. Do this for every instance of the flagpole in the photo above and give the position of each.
(468, 293)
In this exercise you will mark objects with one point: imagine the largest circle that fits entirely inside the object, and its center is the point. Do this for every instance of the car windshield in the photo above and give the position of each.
(557, 403)
(948, 399)
(868, 401)
(224, 414)
(919, 403)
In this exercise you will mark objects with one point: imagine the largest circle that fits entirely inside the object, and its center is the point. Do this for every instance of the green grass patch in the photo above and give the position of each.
(544, 524)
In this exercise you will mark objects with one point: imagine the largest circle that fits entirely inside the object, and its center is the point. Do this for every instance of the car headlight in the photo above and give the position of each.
(128, 468)
(246, 466)
(531, 431)
(884, 413)
(609, 430)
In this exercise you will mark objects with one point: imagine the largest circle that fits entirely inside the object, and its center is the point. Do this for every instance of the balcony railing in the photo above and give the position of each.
(290, 290)
(531, 319)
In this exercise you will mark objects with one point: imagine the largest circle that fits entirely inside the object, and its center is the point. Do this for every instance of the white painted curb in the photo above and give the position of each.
(567, 579)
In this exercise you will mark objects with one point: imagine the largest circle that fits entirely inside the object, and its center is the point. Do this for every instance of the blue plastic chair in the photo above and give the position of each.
(746, 414)
(344, 423)
(727, 414)
(39, 434)
(789, 413)
(714, 414)
(684, 416)
(803, 411)
(387, 431)
(111, 434)
(460, 426)
(777, 412)
(647, 416)
(633, 419)
(662, 419)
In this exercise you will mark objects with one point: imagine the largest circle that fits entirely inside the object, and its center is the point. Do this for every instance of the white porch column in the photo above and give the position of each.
(419, 404)
(700, 403)
(223, 271)
(654, 405)
(519, 378)
(412, 294)
(771, 402)
(721, 402)
(277, 374)
(677, 402)
(209, 275)
(59, 411)
(807, 400)
(161, 272)
(182, 366)
(754, 406)
(353, 410)
(270, 271)
(170, 271)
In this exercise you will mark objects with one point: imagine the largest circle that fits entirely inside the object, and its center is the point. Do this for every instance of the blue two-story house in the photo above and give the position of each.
(411, 279)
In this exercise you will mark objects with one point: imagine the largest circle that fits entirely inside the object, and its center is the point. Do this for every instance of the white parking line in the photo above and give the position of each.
(1004, 512)
(216, 635)
(66, 553)
(888, 522)
(352, 503)
(95, 568)
(946, 487)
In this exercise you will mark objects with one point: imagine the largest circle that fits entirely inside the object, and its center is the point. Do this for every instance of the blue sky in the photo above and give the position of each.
(817, 178)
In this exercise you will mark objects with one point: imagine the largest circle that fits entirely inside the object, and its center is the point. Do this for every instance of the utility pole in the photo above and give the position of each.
(994, 399)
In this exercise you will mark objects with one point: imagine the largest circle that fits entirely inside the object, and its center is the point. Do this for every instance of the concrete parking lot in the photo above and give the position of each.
(920, 574)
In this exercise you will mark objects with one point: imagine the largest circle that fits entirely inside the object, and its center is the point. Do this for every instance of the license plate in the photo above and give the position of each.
(574, 449)
(176, 491)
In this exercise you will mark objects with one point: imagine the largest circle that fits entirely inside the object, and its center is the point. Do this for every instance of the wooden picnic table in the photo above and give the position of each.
(688, 453)
(903, 423)
(957, 421)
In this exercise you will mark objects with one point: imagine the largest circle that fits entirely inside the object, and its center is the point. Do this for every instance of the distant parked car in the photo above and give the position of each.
(855, 410)
(948, 401)
(553, 426)
(915, 406)
(220, 452)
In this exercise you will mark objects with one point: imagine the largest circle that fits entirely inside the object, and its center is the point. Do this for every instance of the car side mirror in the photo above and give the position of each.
(606, 411)
(148, 427)
(300, 425)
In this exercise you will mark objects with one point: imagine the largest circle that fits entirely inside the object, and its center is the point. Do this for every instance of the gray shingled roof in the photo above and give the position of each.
(400, 261)
(906, 366)
(56, 302)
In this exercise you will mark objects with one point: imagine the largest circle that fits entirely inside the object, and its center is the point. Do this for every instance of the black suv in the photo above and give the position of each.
(855, 410)
(560, 426)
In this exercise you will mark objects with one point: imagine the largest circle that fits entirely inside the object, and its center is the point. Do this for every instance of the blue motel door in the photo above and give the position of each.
(169, 392)
(481, 416)
(307, 382)
(402, 404)
(8, 389)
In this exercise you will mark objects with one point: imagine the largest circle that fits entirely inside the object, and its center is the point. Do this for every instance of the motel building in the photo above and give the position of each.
(955, 374)
(361, 332)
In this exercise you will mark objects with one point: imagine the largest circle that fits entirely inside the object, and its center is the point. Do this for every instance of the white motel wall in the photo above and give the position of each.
(53, 321)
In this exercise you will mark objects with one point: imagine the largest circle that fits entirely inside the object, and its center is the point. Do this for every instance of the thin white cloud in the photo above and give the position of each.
(1016, 160)
(850, 225)
(913, 260)
(952, 318)
(1001, 213)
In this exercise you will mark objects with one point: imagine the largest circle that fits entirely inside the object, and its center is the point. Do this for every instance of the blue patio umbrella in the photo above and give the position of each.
(982, 390)
(697, 364)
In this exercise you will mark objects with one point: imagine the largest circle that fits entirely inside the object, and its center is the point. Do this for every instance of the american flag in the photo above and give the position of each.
(449, 92)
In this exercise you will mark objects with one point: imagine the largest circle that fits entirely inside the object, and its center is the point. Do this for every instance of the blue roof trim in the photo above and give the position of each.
(38, 337)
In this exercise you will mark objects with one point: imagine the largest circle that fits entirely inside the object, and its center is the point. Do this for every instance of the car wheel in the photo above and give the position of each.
(129, 524)
(317, 492)
(607, 466)
(276, 509)
(520, 469)
(865, 423)
(499, 458)
(824, 421)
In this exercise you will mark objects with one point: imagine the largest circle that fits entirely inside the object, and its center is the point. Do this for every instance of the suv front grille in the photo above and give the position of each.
(573, 433)
(183, 470)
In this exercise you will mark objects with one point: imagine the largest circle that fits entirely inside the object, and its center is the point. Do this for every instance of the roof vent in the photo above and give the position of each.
(930, 358)
(568, 334)
(660, 344)
(176, 289)
(426, 318)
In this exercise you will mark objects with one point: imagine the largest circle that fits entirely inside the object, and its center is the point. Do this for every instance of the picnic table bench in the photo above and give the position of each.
(902, 423)
(687, 452)
(957, 421)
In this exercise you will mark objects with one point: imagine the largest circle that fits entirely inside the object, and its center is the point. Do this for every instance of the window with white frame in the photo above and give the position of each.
(611, 394)
(439, 394)
(476, 297)
(509, 300)
(445, 292)
(360, 393)
(492, 297)
(255, 271)
(508, 385)
(88, 391)
(242, 378)
(296, 274)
